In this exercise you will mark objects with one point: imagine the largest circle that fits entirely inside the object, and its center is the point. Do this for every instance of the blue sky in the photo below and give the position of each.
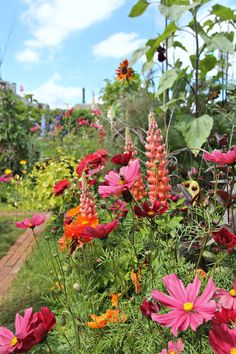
(61, 48)
(58, 46)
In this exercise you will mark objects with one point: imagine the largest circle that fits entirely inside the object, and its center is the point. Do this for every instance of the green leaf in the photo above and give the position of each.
(150, 53)
(195, 131)
(179, 45)
(176, 11)
(167, 80)
(170, 29)
(207, 64)
(147, 66)
(218, 41)
(139, 8)
(225, 13)
(137, 54)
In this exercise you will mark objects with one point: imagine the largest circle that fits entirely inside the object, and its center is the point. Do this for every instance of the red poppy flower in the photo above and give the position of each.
(92, 163)
(150, 212)
(122, 159)
(99, 231)
(124, 72)
(60, 186)
(225, 238)
(221, 158)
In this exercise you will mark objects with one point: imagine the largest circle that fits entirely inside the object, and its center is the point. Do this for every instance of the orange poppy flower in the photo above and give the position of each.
(115, 299)
(110, 316)
(135, 277)
(124, 72)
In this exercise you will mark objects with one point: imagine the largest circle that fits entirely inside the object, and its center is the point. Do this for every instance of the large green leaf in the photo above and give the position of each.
(139, 8)
(137, 54)
(167, 80)
(169, 30)
(218, 41)
(196, 131)
(176, 11)
(225, 13)
(207, 64)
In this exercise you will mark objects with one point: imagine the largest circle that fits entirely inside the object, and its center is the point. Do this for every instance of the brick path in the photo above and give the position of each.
(12, 262)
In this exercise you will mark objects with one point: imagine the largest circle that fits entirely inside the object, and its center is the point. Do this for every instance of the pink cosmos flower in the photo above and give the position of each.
(187, 310)
(30, 330)
(220, 157)
(228, 298)
(36, 220)
(223, 339)
(174, 347)
(99, 231)
(119, 182)
(23, 339)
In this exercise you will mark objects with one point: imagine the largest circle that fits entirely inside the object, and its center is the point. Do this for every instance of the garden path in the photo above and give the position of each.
(12, 262)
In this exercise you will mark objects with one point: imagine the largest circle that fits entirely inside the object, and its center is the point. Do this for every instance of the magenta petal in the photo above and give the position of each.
(166, 300)
(207, 293)
(193, 289)
(5, 335)
(175, 287)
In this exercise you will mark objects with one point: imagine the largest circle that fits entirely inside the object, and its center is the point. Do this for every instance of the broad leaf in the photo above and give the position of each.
(196, 131)
(218, 41)
(170, 29)
(137, 54)
(139, 8)
(179, 45)
(225, 13)
(207, 64)
(167, 80)
(175, 11)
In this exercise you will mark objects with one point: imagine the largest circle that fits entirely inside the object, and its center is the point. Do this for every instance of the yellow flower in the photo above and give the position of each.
(24, 172)
(23, 162)
(7, 171)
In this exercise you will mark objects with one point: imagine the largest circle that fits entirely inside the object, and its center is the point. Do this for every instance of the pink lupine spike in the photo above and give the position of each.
(87, 203)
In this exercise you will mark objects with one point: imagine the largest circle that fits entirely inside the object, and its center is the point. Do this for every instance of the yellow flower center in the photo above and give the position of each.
(188, 306)
(233, 350)
(151, 212)
(122, 180)
(13, 342)
(233, 293)
(172, 352)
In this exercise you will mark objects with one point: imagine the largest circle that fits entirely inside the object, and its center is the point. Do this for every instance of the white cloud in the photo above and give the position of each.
(28, 55)
(57, 95)
(51, 22)
(118, 45)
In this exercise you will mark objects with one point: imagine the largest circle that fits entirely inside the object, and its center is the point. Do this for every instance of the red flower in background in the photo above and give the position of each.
(99, 231)
(122, 159)
(220, 157)
(226, 316)
(36, 220)
(68, 112)
(60, 186)
(92, 163)
(82, 121)
(150, 212)
(225, 238)
(35, 128)
(45, 321)
(149, 307)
